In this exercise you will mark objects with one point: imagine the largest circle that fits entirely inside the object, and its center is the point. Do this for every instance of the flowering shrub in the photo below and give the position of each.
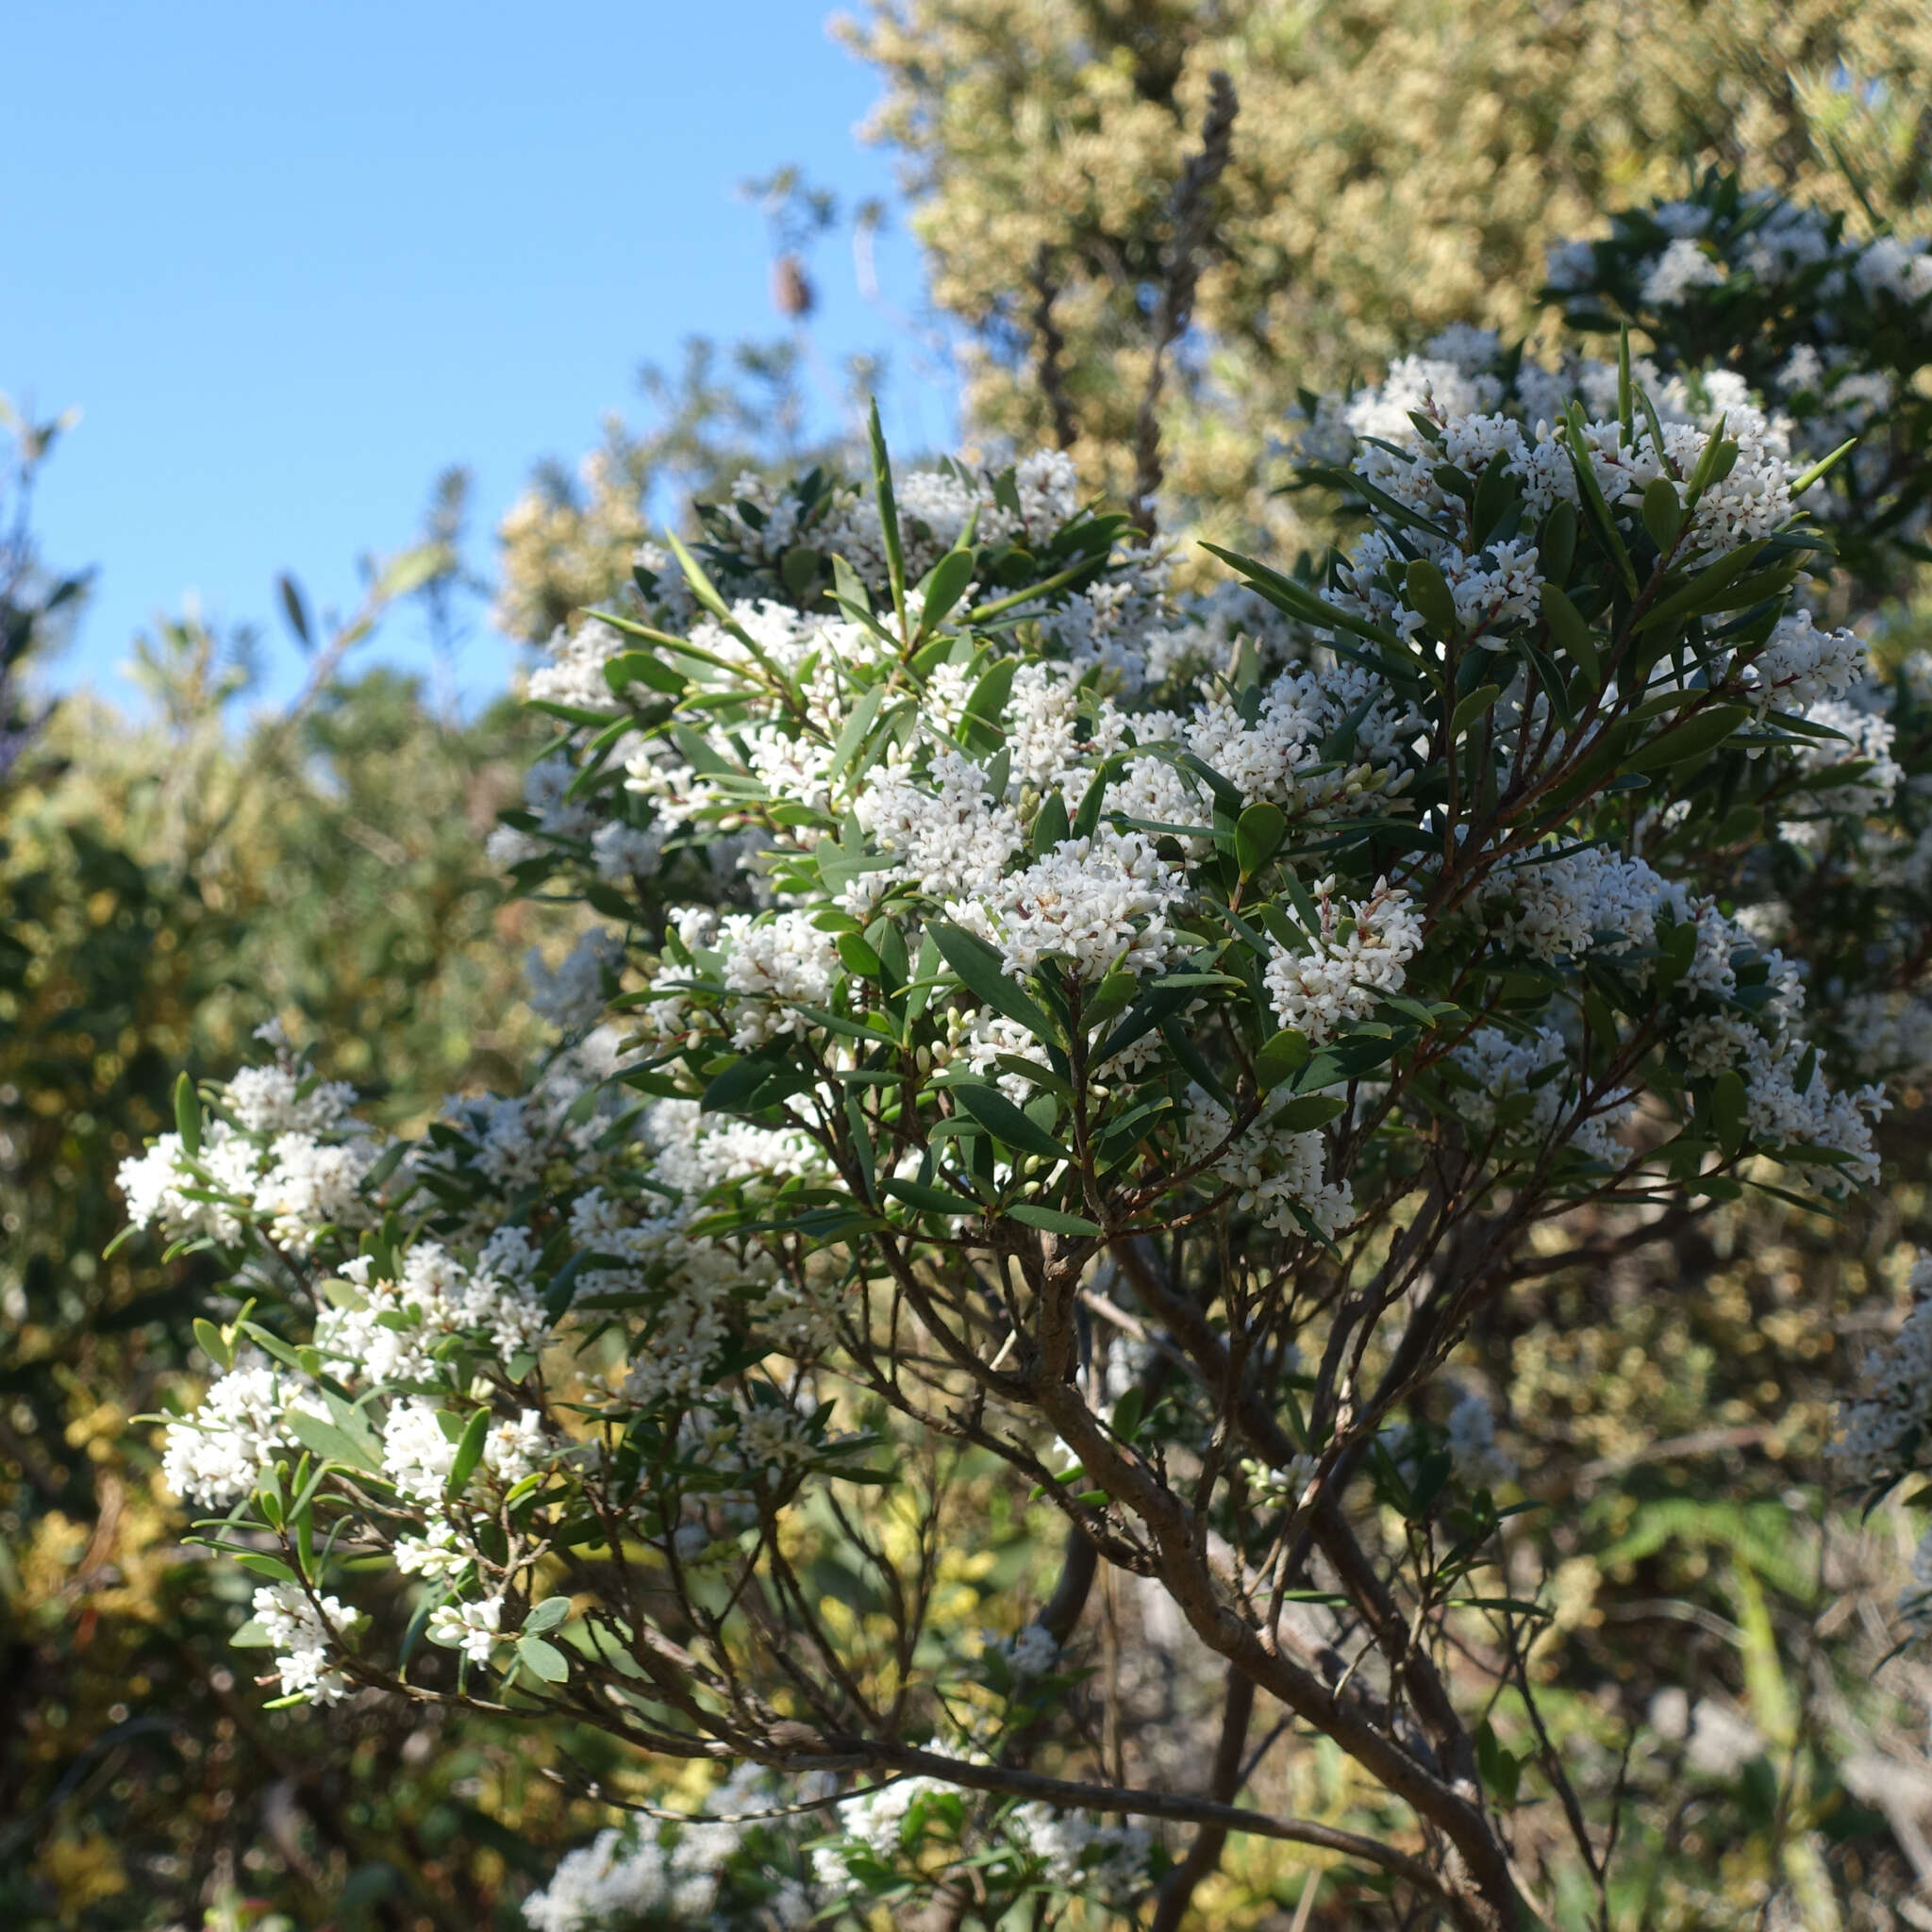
(1831, 331)
(1054, 1035)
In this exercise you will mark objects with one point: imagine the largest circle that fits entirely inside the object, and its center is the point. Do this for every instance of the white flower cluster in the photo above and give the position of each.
(574, 675)
(570, 995)
(676, 1873)
(1479, 1460)
(1886, 1430)
(293, 1159)
(1097, 903)
(1522, 1090)
(1802, 665)
(304, 1631)
(951, 837)
(216, 1456)
(1272, 1172)
(774, 964)
(1684, 266)
(377, 1329)
(1356, 955)
(1079, 1854)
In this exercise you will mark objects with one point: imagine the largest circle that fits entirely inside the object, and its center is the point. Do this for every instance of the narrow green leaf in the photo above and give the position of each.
(930, 1200)
(888, 515)
(188, 1115)
(326, 1440)
(946, 584)
(214, 1345)
(979, 968)
(1823, 467)
(1663, 514)
(468, 1451)
(1307, 1110)
(1051, 1221)
(1471, 708)
(1701, 733)
(1429, 597)
(1004, 1121)
(1727, 1111)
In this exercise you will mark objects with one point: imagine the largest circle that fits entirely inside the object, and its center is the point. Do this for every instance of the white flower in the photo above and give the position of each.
(216, 1455)
(1095, 902)
(1077, 1852)
(1682, 267)
(574, 675)
(469, 1628)
(572, 995)
(951, 837)
(772, 964)
(1473, 1445)
(1357, 956)
(417, 1455)
(1033, 1652)
(304, 1632)
(1802, 664)
(269, 1100)
(435, 1557)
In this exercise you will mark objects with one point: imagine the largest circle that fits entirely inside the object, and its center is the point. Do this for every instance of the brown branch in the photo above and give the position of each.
(1193, 223)
(1053, 377)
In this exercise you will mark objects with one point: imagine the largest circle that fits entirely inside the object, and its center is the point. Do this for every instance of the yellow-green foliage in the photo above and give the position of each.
(1398, 165)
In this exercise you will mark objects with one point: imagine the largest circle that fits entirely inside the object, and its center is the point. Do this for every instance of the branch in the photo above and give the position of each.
(1193, 222)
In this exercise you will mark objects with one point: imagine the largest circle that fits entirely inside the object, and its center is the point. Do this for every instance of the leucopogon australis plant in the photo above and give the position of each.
(1054, 1035)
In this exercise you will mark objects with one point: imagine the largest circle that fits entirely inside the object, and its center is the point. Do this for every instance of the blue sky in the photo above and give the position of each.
(290, 261)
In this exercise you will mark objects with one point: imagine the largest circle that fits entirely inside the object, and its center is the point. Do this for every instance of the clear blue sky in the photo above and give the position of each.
(289, 260)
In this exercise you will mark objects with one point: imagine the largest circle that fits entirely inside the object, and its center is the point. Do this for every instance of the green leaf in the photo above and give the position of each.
(1663, 514)
(252, 1636)
(412, 568)
(1556, 542)
(1727, 1111)
(1285, 1055)
(1697, 735)
(1429, 596)
(1052, 1220)
(214, 1345)
(640, 667)
(946, 584)
(1502, 1771)
(547, 1615)
(930, 1200)
(1125, 1420)
(1005, 1122)
(326, 1440)
(888, 513)
(1258, 834)
(1471, 708)
(1050, 826)
(469, 1453)
(1305, 1111)
(981, 971)
(188, 1115)
(1569, 632)
(543, 1659)
(1821, 467)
